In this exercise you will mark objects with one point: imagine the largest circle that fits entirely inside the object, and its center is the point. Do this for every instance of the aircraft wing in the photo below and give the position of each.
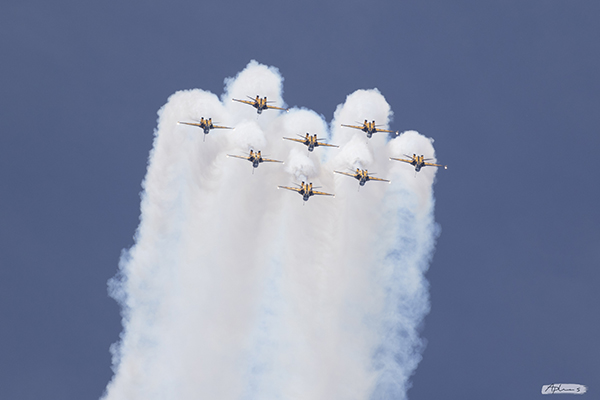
(345, 173)
(435, 165)
(221, 127)
(353, 126)
(402, 159)
(290, 188)
(371, 178)
(242, 157)
(269, 160)
(303, 141)
(385, 130)
(276, 108)
(325, 144)
(190, 123)
(245, 101)
(322, 193)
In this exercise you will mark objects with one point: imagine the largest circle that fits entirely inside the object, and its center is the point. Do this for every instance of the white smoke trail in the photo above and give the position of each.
(236, 290)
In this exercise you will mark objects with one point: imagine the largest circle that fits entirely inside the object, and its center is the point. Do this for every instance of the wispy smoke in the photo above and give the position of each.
(237, 290)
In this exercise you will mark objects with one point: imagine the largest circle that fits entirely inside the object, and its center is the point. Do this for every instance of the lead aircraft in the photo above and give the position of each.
(362, 175)
(259, 104)
(369, 128)
(311, 141)
(418, 162)
(306, 190)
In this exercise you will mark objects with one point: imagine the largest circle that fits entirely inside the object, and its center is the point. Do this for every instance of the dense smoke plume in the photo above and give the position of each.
(237, 290)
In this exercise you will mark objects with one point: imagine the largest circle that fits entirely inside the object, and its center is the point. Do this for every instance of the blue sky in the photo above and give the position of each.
(509, 91)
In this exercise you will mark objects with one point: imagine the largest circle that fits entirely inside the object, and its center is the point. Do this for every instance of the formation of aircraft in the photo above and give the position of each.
(255, 159)
(418, 162)
(306, 190)
(260, 104)
(311, 141)
(369, 128)
(205, 124)
(362, 175)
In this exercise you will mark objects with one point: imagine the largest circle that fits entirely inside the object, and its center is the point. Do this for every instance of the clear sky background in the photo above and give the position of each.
(509, 91)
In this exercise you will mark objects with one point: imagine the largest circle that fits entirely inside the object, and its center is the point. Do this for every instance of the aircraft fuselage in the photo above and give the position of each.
(369, 128)
(260, 104)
